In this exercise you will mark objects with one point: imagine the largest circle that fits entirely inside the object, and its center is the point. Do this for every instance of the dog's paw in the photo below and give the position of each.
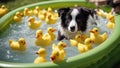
(60, 36)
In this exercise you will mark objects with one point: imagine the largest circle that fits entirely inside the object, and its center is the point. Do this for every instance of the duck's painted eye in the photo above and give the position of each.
(78, 36)
(40, 33)
(62, 45)
(50, 29)
(96, 30)
(57, 54)
(22, 42)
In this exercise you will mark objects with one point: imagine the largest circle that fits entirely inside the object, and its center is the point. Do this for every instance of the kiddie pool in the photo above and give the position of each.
(104, 55)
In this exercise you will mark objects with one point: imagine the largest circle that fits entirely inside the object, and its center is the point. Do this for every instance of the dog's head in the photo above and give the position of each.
(74, 19)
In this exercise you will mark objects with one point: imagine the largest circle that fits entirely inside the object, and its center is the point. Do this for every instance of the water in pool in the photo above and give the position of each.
(15, 31)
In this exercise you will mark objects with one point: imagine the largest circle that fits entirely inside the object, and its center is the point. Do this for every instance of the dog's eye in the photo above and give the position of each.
(68, 20)
(78, 20)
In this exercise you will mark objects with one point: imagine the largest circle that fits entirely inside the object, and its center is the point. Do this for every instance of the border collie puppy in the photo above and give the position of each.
(74, 20)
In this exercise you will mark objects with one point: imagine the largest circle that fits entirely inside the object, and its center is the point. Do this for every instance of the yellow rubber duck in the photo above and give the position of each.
(101, 13)
(110, 16)
(42, 15)
(76, 40)
(110, 25)
(58, 52)
(96, 37)
(39, 40)
(27, 12)
(46, 39)
(51, 18)
(20, 45)
(41, 56)
(36, 10)
(86, 46)
(42, 40)
(56, 57)
(60, 46)
(50, 31)
(34, 24)
(49, 10)
(55, 14)
(48, 16)
(3, 10)
(18, 17)
(111, 22)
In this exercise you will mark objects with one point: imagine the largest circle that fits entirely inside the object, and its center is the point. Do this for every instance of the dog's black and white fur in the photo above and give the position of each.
(74, 21)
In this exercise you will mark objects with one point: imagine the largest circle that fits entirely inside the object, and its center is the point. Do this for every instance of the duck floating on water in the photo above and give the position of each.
(18, 45)
(33, 24)
(58, 52)
(41, 56)
(96, 37)
(18, 17)
(50, 31)
(86, 46)
(27, 12)
(36, 11)
(111, 22)
(42, 39)
(76, 40)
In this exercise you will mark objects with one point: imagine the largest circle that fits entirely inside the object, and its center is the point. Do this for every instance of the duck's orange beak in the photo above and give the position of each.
(24, 43)
(53, 30)
(37, 36)
(112, 19)
(91, 31)
(52, 58)
(64, 45)
(36, 52)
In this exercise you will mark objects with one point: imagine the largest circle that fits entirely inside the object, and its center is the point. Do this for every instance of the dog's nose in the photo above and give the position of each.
(72, 28)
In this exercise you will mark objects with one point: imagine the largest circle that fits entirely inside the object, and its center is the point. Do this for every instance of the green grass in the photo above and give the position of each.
(104, 7)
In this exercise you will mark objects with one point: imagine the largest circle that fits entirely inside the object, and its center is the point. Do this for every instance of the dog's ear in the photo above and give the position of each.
(86, 11)
(62, 11)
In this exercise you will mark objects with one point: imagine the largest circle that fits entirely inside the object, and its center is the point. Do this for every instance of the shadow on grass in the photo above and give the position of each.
(5, 1)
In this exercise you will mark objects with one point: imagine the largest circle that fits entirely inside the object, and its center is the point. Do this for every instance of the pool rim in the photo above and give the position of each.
(89, 57)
